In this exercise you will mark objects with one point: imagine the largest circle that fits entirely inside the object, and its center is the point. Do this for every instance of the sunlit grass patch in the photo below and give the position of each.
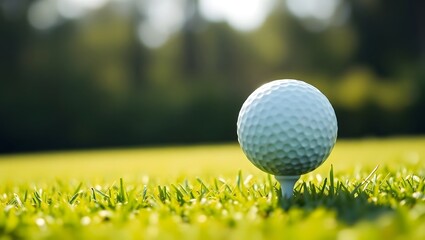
(374, 190)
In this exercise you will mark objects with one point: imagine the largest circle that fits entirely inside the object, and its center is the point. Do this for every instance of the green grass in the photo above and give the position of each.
(213, 192)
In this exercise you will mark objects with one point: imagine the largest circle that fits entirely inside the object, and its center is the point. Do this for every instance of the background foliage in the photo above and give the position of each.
(89, 81)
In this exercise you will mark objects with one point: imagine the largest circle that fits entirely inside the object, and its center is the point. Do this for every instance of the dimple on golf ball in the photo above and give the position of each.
(287, 127)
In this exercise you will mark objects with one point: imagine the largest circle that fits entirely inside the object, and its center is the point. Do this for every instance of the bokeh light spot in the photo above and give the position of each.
(244, 15)
(42, 14)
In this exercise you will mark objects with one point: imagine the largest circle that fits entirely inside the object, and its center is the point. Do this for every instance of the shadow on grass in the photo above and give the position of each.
(350, 205)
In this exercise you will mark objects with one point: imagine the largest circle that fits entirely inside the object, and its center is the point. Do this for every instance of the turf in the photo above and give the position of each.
(368, 189)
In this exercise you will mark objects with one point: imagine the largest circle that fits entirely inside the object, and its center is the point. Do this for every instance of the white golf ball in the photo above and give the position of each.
(287, 128)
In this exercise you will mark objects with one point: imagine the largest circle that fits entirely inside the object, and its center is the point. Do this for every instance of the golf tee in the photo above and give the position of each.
(287, 184)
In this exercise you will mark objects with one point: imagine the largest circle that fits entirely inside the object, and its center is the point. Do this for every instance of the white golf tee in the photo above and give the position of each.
(287, 184)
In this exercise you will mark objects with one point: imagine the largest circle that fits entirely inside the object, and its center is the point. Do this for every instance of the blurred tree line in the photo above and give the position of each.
(89, 82)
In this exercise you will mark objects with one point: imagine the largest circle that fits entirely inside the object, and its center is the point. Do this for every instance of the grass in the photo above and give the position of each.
(213, 192)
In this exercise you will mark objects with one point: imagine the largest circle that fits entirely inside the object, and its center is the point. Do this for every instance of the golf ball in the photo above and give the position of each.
(287, 127)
